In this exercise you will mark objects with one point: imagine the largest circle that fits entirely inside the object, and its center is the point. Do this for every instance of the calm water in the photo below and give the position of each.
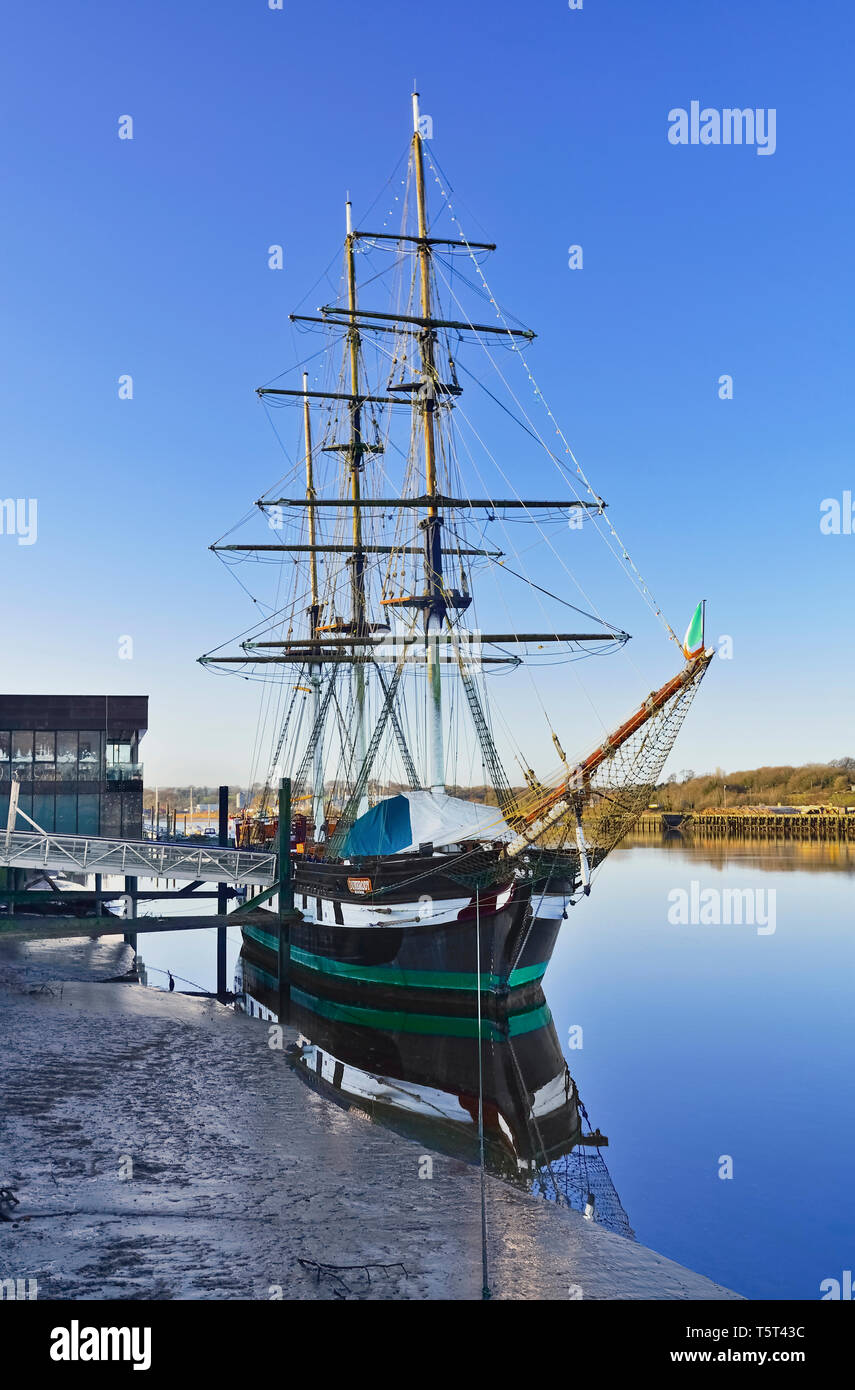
(702, 1043)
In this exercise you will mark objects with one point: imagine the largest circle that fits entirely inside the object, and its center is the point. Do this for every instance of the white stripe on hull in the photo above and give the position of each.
(412, 914)
(548, 908)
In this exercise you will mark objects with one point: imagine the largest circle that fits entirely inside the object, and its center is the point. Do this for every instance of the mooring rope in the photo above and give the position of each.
(158, 971)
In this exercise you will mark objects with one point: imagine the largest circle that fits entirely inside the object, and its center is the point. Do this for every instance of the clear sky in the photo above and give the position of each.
(149, 257)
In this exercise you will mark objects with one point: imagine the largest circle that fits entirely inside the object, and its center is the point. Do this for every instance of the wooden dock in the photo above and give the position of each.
(753, 823)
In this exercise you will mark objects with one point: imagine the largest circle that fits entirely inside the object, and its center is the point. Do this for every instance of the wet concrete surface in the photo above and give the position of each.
(161, 1149)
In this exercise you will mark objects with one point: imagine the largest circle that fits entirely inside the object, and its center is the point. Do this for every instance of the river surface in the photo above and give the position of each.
(716, 1055)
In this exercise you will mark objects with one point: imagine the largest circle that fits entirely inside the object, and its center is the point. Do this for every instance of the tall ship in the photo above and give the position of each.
(412, 573)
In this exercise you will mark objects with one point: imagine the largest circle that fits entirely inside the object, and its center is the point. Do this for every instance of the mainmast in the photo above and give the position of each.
(356, 449)
(314, 620)
(434, 611)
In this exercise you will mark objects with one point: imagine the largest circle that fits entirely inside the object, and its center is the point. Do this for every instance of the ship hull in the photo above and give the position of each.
(409, 926)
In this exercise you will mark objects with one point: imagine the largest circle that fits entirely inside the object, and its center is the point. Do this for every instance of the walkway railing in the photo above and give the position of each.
(82, 854)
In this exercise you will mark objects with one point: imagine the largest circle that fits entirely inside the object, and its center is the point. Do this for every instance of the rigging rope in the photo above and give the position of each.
(628, 562)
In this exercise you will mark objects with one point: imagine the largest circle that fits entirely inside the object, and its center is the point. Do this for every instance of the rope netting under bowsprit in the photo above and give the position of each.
(622, 786)
(544, 867)
(582, 1180)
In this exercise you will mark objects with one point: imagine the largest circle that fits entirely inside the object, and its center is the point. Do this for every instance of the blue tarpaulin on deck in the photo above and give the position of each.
(385, 829)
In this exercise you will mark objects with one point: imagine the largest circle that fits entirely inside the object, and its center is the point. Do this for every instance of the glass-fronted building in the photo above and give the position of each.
(77, 760)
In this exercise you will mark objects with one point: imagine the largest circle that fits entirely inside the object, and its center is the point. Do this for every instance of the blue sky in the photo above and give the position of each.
(149, 257)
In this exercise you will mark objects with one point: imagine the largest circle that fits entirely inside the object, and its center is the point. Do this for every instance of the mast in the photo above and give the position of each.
(314, 610)
(332, 641)
(314, 620)
(355, 452)
(432, 524)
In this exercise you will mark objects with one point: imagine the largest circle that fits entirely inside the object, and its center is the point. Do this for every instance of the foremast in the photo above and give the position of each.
(315, 671)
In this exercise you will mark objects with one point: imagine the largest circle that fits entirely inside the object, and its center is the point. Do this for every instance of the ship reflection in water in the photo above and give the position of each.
(417, 1072)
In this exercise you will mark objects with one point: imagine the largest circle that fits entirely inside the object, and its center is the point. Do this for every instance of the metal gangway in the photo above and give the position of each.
(194, 864)
(89, 854)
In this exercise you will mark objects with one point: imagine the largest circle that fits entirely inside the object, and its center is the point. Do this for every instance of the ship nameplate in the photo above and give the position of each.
(359, 885)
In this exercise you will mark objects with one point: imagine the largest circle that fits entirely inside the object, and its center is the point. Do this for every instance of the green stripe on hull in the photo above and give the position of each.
(413, 979)
(433, 1025)
(264, 938)
(394, 975)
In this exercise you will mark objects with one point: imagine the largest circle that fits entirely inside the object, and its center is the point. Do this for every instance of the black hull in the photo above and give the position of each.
(416, 928)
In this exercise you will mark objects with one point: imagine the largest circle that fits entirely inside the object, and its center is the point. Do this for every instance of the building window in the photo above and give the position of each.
(22, 748)
(43, 810)
(5, 746)
(44, 751)
(89, 760)
(66, 814)
(120, 767)
(44, 746)
(88, 814)
(66, 757)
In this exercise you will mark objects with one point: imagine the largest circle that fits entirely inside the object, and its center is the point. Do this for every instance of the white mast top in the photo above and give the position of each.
(348, 215)
(416, 112)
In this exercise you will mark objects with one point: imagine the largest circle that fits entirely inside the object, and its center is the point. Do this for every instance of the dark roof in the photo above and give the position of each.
(119, 715)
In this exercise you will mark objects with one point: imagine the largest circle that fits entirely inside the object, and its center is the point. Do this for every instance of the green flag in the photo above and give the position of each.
(693, 642)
